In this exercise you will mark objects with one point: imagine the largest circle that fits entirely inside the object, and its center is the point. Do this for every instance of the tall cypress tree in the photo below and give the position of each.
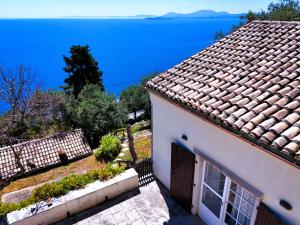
(82, 69)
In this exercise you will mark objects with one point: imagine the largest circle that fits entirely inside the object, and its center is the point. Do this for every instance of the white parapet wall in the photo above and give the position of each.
(76, 201)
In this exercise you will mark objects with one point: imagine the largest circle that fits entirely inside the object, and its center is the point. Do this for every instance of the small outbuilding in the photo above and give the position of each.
(31, 156)
(226, 127)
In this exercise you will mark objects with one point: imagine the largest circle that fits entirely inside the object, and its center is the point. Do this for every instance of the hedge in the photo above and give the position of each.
(62, 187)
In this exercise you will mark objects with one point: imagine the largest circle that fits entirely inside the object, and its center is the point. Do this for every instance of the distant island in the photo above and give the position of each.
(197, 14)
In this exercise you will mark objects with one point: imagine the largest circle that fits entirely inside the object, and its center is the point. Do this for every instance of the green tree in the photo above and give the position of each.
(82, 69)
(250, 16)
(132, 99)
(96, 112)
(219, 35)
(136, 97)
(283, 10)
(146, 96)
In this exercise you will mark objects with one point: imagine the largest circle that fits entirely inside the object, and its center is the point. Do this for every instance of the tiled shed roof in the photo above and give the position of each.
(43, 152)
(248, 82)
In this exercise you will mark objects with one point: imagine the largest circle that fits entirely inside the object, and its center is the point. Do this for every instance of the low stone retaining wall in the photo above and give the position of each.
(75, 201)
(22, 194)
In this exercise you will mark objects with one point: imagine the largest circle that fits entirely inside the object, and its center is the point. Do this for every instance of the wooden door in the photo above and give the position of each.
(182, 176)
(266, 216)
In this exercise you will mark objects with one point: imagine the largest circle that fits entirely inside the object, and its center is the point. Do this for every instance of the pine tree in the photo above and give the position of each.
(82, 69)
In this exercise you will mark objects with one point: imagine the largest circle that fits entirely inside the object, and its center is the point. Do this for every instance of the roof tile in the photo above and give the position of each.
(44, 152)
(248, 81)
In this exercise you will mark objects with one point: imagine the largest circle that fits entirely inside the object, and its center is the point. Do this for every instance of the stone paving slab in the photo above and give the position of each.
(151, 204)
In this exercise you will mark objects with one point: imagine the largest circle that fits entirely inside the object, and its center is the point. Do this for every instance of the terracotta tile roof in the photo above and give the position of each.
(248, 82)
(43, 152)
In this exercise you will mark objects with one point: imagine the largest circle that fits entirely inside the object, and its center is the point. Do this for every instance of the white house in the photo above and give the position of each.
(226, 127)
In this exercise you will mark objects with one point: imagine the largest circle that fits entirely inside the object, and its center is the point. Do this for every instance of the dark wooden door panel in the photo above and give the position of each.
(265, 216)
(182, 175)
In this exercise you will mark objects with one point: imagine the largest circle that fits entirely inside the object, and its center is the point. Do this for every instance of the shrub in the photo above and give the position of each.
(26, 202)
(75, 182)
(110, 171)
(93, 174)
(109, 148)
(135, 128)
(62, 187)
(139, 126)
(6, 208)
(47, 191)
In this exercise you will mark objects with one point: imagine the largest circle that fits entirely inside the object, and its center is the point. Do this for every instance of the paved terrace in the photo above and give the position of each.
(151, 204)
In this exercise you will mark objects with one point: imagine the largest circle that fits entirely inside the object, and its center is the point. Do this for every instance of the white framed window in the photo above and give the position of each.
(224, 201)
(240, 206)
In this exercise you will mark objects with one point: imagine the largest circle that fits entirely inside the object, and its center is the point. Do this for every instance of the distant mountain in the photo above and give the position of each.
(197, 14)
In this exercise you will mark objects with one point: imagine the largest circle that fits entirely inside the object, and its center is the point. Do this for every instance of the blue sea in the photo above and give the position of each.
(126, 49)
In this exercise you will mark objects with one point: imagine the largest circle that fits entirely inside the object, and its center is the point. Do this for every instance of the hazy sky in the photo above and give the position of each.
(60, 8)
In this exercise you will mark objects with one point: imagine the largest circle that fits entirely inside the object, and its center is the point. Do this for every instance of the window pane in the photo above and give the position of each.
(236, 188)
(232, 210)
(243, 219)
(234, 199)
(240, 205)
(229, 220)
(249, 197)
(246, 208)
(214, 179)
(211, 201)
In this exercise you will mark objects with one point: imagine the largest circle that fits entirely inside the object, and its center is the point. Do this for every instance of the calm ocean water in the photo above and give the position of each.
(126, 49)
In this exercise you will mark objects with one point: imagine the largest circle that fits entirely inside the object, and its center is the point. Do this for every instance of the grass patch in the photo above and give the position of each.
(143, 149)
(80, 166)
(62, 187)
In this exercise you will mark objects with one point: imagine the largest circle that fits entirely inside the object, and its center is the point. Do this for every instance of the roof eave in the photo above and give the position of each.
(243, 136)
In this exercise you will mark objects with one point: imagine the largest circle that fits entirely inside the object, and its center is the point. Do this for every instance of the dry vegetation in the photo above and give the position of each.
(143, 148)
(80, 166)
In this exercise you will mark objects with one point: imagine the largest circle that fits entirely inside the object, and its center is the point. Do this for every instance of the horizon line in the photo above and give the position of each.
(114, 16)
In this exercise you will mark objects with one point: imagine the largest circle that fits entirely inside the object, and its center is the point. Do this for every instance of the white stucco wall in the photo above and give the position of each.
(270, 175)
